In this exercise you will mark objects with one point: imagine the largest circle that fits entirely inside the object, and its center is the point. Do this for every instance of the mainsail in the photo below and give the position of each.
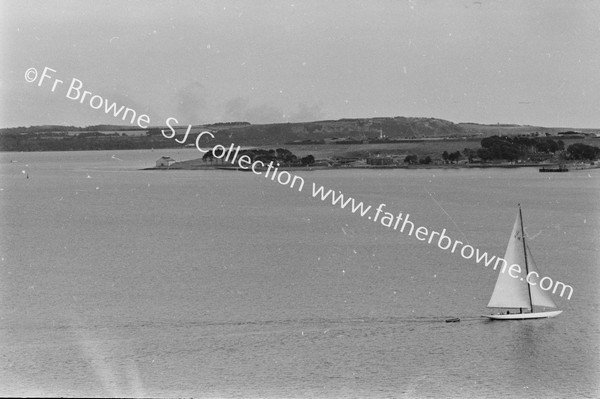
(516, 292)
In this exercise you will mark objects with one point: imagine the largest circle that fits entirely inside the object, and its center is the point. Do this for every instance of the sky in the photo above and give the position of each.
(526, 62)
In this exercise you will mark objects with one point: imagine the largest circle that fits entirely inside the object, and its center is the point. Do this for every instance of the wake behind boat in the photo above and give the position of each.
(517, 293)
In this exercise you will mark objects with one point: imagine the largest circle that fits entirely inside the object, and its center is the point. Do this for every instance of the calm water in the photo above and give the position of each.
(121, 282)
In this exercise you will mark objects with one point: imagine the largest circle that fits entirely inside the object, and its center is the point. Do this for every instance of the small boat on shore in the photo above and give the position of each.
(516, 292)
(233, 168)
(561, 168)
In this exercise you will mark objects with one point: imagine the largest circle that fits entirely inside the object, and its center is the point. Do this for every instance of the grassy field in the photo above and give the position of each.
(432, 148)
(423, 148)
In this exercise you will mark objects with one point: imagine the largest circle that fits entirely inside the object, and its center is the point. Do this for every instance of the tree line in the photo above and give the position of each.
(281, 156)
(507, 148)
(84, 141)
(498, 148)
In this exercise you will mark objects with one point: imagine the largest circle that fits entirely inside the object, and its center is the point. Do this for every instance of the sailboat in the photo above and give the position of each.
(517, 293)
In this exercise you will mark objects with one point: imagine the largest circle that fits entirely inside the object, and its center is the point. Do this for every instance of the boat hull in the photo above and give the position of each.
(522, 316)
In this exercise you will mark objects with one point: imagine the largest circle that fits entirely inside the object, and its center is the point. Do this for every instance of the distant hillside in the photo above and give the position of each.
(343, 131)
(66, 129)
(357, 129)
(370, 129)
(475, 129)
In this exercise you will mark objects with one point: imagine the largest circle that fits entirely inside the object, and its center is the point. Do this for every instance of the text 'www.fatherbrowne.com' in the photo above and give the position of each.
(402, 223)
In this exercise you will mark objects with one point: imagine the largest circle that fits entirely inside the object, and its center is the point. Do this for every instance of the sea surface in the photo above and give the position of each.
(116, 281)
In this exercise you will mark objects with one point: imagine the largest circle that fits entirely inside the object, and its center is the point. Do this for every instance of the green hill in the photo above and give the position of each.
(343, 131)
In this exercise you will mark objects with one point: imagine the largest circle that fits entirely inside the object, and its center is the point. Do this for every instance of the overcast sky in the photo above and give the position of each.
(525, 62)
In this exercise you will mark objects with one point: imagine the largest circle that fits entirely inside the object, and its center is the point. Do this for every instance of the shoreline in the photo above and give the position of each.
(570, 167)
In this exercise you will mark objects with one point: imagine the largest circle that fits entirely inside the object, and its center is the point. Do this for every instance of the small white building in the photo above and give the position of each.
(165, 161)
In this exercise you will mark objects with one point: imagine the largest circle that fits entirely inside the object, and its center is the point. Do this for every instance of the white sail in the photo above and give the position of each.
(511, 292)
(539, 297)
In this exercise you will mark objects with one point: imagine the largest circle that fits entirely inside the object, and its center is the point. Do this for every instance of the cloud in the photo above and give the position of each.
(307, 113)
(191, 105)
(264, 113)
(235, 110)
(238, 109)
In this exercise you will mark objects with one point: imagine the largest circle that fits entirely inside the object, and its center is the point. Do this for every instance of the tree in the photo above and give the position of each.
(454, 157)
(445, 156)
(425, 161)
(500, 148)
(208, 156)
(153, 132)
(546, 145)
(582, 151)
(469, 154)
(411, 159)
(286, 156)
(307, 160)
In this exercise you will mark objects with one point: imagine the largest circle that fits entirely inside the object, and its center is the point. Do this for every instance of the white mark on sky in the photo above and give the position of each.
(532, 237)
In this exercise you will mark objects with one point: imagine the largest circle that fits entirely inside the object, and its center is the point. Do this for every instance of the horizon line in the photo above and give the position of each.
(133, 127)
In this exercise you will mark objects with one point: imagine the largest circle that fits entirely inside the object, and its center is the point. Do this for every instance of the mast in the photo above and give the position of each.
(526, 265)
